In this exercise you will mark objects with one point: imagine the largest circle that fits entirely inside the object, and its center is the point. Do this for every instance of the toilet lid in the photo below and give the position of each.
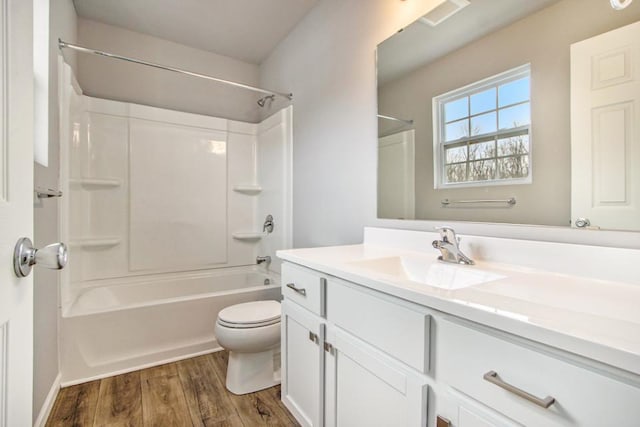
(251, 313)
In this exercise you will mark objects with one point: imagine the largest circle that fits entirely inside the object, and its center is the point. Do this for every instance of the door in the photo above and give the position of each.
(605, 130)
(302, 364)
(396, 176)
(365, 388)
(16, 209)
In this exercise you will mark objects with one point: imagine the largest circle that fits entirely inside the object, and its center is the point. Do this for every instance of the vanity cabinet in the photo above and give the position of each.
(330, 377)
(353, 356)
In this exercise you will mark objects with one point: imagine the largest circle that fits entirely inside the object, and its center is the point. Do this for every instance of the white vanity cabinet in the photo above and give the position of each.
(330, 376)
(354, 356)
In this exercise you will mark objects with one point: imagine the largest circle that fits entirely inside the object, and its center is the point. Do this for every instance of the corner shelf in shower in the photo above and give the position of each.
(247, 189)
(95, 242)
(251, 236)
(96, 182)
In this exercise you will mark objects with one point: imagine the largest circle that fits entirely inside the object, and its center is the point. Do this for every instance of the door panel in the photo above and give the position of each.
(605, 137)
(16, 209)
(302, 364)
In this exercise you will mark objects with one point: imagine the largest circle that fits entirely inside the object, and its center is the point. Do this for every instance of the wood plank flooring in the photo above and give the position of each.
(190, 392)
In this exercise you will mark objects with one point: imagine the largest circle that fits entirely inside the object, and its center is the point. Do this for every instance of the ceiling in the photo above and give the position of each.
(243, 29)
(419, 44)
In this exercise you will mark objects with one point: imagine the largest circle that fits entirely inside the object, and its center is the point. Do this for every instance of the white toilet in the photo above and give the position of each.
(251, 333)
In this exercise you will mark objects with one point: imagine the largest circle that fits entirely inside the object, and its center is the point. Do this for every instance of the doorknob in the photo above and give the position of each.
(583, 222)
(25, 256)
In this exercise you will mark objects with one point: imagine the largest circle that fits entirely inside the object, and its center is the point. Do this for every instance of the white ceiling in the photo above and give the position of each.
(419, 44)
(243, 29)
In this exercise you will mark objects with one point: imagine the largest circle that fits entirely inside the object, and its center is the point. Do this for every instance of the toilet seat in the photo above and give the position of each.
(248, 315)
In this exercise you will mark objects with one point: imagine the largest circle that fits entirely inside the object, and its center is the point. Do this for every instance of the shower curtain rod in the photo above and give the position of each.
(64, 45)
(407, 122)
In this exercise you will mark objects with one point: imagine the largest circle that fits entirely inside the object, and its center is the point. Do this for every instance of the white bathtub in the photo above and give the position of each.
(124, 326)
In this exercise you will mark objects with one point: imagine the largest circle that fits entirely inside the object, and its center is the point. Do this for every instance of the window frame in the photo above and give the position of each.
(439, 143)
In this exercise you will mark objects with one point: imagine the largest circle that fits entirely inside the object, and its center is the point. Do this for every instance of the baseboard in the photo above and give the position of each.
(47, 406)
(139, 367)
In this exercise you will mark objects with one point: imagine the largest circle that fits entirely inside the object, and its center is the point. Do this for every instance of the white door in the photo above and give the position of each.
(396, 176)
(16, 209)
(365, 388)
(605, 129)
(302, 364)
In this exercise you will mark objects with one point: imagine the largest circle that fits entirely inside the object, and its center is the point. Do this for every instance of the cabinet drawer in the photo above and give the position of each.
(496, 372)
(304, 286)
(395, 328)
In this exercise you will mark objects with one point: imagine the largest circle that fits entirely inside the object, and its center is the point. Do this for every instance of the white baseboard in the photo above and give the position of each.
(43, 415)
(139, 367)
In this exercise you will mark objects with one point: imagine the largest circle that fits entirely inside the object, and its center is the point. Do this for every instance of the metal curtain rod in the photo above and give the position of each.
(64, 45)
(408, 122)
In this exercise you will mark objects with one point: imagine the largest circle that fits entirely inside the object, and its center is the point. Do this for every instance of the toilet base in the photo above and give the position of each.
(249, 372)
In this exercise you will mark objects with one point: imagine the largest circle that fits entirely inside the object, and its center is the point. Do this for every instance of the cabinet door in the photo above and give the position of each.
(302, 364)
(364, 387)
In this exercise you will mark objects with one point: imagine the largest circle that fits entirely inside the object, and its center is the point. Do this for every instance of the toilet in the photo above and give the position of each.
(251, 333)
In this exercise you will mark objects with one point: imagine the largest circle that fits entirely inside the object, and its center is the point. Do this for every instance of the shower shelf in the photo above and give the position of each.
(96, 182)
(248, 235)
(247, 189)
(95, 242)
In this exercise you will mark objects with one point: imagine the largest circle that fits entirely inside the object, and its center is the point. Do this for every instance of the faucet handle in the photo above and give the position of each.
(448, 234)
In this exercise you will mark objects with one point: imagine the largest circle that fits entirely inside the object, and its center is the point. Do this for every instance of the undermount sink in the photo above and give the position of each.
(428, 272)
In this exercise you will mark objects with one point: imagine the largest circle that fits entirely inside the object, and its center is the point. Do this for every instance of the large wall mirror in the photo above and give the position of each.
(513, 111)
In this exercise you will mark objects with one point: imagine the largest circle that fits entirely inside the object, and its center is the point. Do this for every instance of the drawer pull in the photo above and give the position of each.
(493, 378)
(301, 291)
(314, 337)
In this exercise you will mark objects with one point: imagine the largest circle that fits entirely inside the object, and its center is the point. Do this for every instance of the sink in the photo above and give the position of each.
(428, 272)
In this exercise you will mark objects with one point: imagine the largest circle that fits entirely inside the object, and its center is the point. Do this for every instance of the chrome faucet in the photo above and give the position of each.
(448, 245)
(261, 259)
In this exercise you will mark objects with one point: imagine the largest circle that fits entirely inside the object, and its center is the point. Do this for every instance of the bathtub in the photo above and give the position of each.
(135, 323)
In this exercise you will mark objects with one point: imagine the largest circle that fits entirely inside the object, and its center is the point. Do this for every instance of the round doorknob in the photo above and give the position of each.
(25, 256)
(583, 222)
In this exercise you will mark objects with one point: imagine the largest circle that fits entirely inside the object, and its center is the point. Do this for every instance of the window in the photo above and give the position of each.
(482, 132)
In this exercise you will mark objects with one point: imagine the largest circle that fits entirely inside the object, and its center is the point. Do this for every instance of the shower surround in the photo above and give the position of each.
(163, 213)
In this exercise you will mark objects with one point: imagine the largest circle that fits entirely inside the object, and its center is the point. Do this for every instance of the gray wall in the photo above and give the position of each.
(547, 200)
(328, 62)
(62, 23)
(121, 81)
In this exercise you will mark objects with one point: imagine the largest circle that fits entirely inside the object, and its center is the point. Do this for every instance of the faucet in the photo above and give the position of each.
(261, 259)
(448, 245)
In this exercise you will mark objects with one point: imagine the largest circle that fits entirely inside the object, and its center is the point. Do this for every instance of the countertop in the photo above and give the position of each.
(597, 319)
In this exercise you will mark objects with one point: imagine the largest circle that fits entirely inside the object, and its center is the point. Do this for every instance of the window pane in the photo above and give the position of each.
(457, 173)
(513, 92)
(482, 170)
(456, 154)
(482, 150)
(484, 123)
(456, 130)
(515, 116)
(513, 167)
(483, 101)
(514, 145)
(455, 110)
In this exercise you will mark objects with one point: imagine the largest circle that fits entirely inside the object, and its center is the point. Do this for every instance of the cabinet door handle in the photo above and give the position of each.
(493, 378)
(328, 347)
(301, 291)
(313, 337)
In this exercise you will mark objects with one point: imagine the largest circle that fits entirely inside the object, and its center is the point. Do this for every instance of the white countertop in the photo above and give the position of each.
(596, 319)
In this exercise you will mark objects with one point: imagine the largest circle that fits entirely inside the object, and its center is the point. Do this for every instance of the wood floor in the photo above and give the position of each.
(186, 393)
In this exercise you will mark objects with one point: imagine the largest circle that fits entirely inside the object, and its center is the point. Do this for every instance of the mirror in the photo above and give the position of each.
(512, 111)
